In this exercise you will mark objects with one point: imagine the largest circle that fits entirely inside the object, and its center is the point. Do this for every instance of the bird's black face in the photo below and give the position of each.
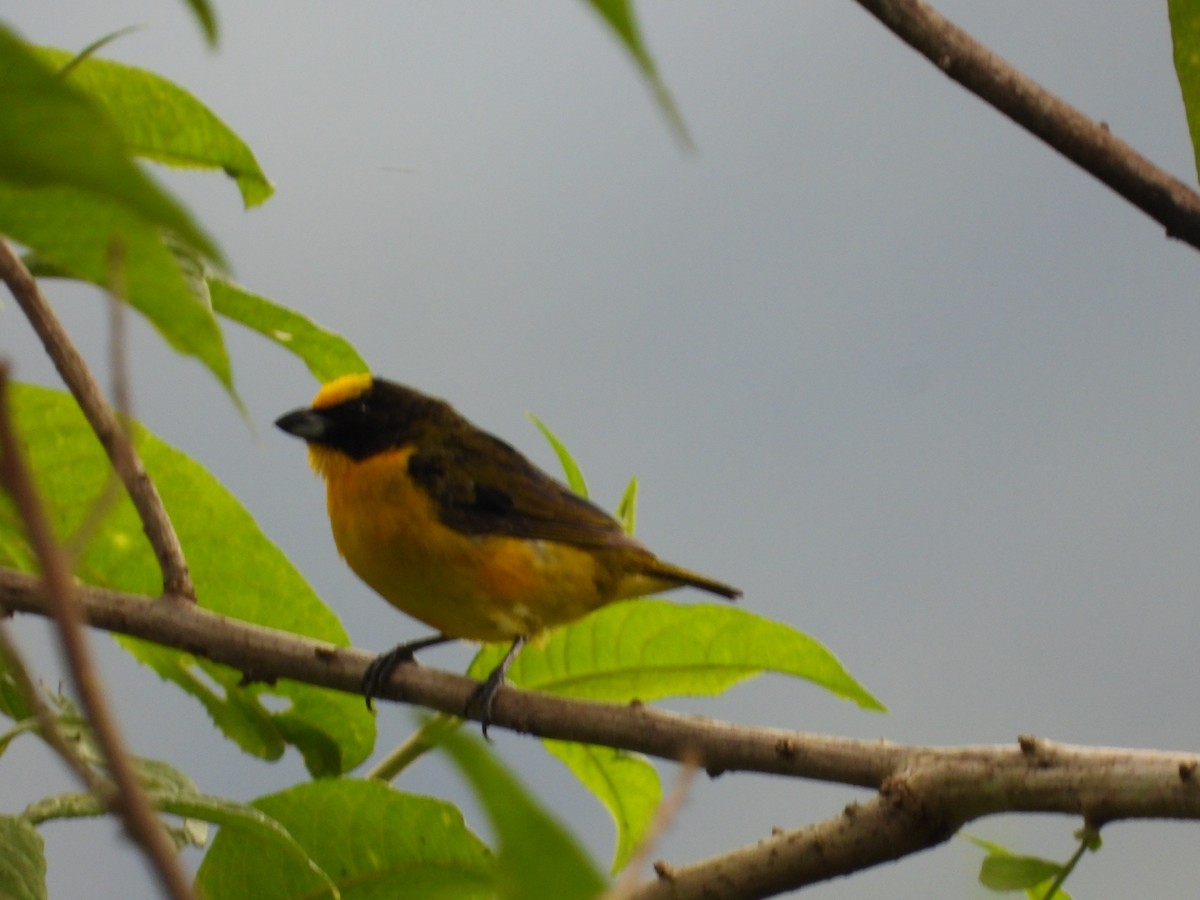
(385, 416)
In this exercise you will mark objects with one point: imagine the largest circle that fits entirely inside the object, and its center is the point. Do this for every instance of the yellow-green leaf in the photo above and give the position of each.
(1185, 38)
(237, 572)
(70, 231)
(372, 840)
(52, 134)
(626, 783)
(161, 121)
(649, 649)
(619, 16)
(326, 354)
(571, 470)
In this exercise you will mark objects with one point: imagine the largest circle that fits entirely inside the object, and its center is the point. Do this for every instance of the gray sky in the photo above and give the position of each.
(913, 382)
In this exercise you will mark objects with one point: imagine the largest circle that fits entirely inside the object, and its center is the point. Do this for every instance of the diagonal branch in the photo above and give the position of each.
(129, 799)
(1087, 143)
(74, 371)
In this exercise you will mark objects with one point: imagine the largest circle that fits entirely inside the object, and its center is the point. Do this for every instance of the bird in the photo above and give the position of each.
(456, 528)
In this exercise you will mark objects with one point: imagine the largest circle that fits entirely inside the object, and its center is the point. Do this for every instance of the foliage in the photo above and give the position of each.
(73, 194)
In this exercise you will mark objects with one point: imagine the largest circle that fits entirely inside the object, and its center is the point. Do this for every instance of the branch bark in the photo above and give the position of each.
(1087, 143)
(76, 375)
(128, 799)
(924, 794)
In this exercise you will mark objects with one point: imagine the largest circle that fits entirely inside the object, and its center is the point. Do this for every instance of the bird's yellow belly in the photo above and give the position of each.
(479, 587)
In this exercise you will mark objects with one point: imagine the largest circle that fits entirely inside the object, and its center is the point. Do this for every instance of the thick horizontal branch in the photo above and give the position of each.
(1087, 143)
(925, 794)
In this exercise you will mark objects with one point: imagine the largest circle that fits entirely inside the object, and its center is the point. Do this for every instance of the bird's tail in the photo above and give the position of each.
(661, 576)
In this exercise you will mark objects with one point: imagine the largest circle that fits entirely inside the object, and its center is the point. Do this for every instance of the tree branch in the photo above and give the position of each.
(128, 800)
(1088, 144)
(74, 371)
(925, 794)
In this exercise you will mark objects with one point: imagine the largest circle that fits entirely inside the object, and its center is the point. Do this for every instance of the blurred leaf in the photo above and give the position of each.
(159, 120)
(571, 471)
(619, 16)
(626, 783)
(53, 135)
(649, 649)
(374, 841)
(207, 17)
(326, 354)
(538, 858)
(1185, 37)
(23, 862)
(69, 230)
(237, 571)
(12, 700)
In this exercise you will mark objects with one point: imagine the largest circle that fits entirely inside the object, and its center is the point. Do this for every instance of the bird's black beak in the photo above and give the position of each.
(308, 424)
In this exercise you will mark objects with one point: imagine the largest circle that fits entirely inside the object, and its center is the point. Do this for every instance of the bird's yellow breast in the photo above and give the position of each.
(479, 587)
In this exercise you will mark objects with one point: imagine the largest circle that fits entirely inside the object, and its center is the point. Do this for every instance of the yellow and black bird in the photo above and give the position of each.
(456, 528)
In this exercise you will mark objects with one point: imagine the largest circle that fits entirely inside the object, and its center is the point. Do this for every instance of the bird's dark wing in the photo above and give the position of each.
(481, 485)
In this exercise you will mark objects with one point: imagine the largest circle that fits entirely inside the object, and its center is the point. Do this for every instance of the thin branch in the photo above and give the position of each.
(118, 362)
(129, 800)
(75, 373)
(1087, 143)
(626, 885)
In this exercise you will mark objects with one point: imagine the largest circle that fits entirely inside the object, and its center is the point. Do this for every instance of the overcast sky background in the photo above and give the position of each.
(912, 381)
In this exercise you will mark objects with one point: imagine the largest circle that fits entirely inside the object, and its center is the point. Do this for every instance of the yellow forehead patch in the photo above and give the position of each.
(341, 389)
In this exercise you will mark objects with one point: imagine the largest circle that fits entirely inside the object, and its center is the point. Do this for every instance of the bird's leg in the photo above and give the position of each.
(379, 672)
(483, 696)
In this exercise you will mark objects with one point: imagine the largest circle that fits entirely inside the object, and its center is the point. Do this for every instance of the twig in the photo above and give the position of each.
(626, 886)
(1087, 143)
(74, 372)
(129, 800)
(76, 544)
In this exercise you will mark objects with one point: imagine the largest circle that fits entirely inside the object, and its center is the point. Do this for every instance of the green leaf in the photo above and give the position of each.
(326, 354)
(571, 470)
(160, 121)
(626, 783)
(1016, 873)
(23, 862)
(53, 135)
(649, 649)
(1185, 38)
(12, 700)
(374, 841)
(538, 858)
(207, 17)
(70, 231)
(618, 15)
(1003, 870)
(627, 508)
(237, 572)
